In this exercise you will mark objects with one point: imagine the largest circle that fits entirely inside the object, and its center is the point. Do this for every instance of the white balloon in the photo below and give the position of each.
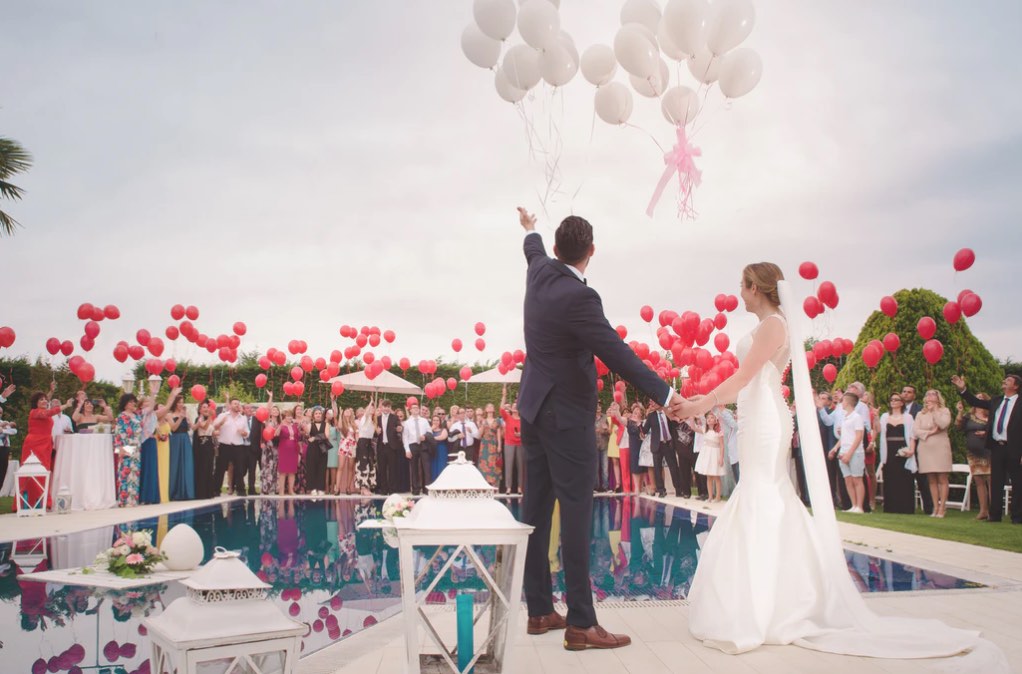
(557, 65)
(680, 105)
(505, 90)
(566, 37)
(635, 52)
(685, 22)
(704, 66)
(480, 48)
(599, 64)
(183, 548)
(653, 86)
(521, 66)
(646, 12)
(667, 46)
(730, 23)
(650, 34)
(496, 18)
(613, 103)
(539, 24)
(740, 72)
(565, 41)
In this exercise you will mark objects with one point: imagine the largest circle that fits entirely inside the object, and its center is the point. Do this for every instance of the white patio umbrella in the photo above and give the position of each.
(385, 382)
(514, 376)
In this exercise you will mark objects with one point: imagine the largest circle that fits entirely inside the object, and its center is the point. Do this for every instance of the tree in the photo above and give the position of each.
(13, 159)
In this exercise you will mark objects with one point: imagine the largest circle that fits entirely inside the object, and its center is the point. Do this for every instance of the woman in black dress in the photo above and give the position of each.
(316, 456)
(896, 448)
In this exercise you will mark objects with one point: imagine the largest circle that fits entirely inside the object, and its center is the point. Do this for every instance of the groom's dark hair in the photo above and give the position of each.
(573, 238)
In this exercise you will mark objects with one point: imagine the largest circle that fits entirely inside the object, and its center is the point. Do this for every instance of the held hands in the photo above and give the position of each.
(527, 220)
(676, 407)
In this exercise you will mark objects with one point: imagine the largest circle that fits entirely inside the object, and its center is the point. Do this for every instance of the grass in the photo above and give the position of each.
(6, 504)
(956, 526)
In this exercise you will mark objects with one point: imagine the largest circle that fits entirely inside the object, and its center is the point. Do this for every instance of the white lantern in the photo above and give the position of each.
(62, 502)
(32, 476)
(461, 512)
(128, 382)
(225, 624)
(155, 381)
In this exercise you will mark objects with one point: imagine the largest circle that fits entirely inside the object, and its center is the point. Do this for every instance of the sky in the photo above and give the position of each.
(303, 166)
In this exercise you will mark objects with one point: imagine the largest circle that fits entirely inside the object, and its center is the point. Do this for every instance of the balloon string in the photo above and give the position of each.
(651, 136)
(585, 170)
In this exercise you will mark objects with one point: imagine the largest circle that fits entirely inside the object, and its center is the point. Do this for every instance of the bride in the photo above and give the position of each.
(771, 572)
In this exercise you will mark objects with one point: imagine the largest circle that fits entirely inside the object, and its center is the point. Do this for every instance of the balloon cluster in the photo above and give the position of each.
(826, 296)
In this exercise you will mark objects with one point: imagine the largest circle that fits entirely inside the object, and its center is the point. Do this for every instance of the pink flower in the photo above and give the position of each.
(134, 559)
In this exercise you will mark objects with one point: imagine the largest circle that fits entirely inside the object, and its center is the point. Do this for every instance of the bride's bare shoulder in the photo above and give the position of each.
(772, 332)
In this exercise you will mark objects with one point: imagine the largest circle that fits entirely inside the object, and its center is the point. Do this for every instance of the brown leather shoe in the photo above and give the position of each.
(544, 623)
(579, 639)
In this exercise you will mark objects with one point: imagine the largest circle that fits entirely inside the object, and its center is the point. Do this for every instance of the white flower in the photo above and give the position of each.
(140, 538)
(124, 550)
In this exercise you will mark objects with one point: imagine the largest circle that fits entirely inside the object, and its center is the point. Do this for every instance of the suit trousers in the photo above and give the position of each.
(420, 467)
(252, 456)
(386, 465)
(204, 452)
(686, 462)
(559, 464)
(1005, 467)
(665, 452)
(234, 455)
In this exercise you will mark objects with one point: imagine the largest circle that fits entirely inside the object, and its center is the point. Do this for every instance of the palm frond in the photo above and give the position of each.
(13, 158)
(9, 191)
(7, 224)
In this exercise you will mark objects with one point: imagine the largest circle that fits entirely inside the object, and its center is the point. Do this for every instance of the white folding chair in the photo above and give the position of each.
(1007, 497)
(962, 504)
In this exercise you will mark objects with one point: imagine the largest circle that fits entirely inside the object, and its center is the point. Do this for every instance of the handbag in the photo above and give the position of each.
(646, 453)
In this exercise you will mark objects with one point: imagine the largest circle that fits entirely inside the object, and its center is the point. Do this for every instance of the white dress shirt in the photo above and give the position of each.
(469, 430)
(383, 427)
(414, 428)
(61, 425)
(1004, 408)
(231, 429)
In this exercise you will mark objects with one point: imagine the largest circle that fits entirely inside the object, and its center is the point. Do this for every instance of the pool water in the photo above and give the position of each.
(335, 578)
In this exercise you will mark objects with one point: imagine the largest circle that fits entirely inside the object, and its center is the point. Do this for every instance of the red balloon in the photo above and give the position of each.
(933, 351)
(172, 332)
(892, 342)
(622, 331)
(480, 344)
(240, 328)
(53, 346)
(812, 307)
(971, 304)
(87, 343)
(720, 302)
(112, 312)
(465, 373)
(810, 359)
(480, 328)
(732, 302)
(827, 293)
(332, 369)
(926, 327)
(298, 388)
(136, 352)
(646, 313)
(361, 341)
(667, 317)
(519, 356)
(962, 295)
(389, 336)
(456, 345)
(260, 380)
(177, 312)
(268, 432)
(952, 312)
(822, 349)
(336, 356)
(188, 329)
(279, 358)
(889, 305)
(871, 356)
(307, 363)
(86, 372)
(192, 313)
(92, 329)
(154, 366)
(720, 321)
(173, 381)
(964, 259)
(452, 383)
(156, 346)
(297, 373)
(85, 311)
(66, 347)
(337, 388)
(368, 358)
(829, 373)
(142, 336)
(374, 340)
(808, 270)
(404, 364)
(171, 365)
(74, 363)
(721, 341)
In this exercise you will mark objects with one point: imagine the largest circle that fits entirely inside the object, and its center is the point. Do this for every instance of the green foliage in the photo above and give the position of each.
(13, 159)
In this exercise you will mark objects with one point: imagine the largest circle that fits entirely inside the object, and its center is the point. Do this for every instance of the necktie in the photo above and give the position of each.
(464, 435)
(385, 418)
(1001, 415)
(663, 425)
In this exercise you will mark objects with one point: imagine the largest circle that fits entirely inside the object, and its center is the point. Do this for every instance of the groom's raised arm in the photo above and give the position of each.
(533, 245)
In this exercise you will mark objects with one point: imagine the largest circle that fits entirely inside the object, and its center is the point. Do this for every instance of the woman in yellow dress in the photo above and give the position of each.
(163, 458)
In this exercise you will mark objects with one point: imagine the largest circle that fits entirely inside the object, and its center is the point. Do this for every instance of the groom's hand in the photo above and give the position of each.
(528, 220)
(676, 407)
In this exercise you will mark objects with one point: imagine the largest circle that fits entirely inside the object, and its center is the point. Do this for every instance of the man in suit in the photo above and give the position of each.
(255, 443)
(912, 408)
(684, 440)
(1004, 440)
(388, 446)
(661, 432)
(564, 328)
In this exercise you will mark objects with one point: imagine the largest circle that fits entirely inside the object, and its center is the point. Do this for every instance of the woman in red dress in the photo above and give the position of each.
(39, 439)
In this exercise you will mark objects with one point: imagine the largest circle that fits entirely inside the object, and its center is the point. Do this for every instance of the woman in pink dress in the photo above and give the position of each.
(288, 435)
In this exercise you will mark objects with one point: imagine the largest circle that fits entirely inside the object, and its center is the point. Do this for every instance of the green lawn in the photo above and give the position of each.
(957, 526)
(6, 504)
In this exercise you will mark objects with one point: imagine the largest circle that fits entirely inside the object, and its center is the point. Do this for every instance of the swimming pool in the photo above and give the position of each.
(335, 578)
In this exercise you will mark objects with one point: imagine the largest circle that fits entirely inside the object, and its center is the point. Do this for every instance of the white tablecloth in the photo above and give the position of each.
(7, 489)
(85, 464)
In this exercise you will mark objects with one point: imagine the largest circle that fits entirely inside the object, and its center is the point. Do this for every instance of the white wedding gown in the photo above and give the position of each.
(772, 573)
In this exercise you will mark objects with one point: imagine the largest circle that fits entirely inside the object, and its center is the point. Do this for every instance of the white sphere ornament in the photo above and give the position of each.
(183, 548)
(521, 66)
(598, 64)
(539, 23)
(614, 103)
(496, 18)
(680, 105)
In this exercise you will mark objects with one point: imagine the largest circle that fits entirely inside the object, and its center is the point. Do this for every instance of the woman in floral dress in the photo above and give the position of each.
(268, 458)
(489, 446)
(128, 433)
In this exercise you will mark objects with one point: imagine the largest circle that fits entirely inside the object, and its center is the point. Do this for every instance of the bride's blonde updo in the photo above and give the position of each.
(764, 275)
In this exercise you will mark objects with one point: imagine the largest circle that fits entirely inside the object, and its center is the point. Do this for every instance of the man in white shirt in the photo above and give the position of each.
(850, 451)
(232, 429)
(463, 435)
(729, 425)
(388, 449)
(62, 422)
(413, 436)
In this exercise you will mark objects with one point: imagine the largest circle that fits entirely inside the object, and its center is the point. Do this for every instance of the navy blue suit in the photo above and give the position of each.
(564, 328)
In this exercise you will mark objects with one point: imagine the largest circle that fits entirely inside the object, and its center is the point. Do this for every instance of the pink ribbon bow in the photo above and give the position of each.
(679, 160)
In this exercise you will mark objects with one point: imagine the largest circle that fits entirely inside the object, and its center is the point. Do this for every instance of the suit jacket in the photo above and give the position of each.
(1013, 426)
(394, 441)
(255, 434)
(913, 408)
(564, 328)
(652, 427)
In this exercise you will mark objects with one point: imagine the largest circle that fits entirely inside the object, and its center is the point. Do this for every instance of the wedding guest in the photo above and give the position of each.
(150, 479)
(182, 460)
(365, 460)
(489, 445)
(39, 438)
(302, 421)
(402, 466)
(62, 424)
(684, 441)
(127, 440)
(912, 408)
(849, 449)
(333, 459)
(440, 459)
(602, 450)
(316, 456)
(642, 480)
(287, 435)
(933, 447)
(711, 456)
(163, 457)
(347, 432)
(729, 426)
(253, 447)
(268, 478)
(463, 433)
(204, 451)
(413, 437)
(661, 432)
(974, 426)
(232, 429)
(615, 429)
(7, 429)
(85, 415)
(388, 446)
(872, 433)
(514, 456)
(897, 446)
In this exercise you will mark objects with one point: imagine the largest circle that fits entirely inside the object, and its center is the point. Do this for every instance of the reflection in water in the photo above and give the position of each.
(335, 578)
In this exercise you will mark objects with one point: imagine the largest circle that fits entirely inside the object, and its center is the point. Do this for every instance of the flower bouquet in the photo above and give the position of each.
(132, 555)
(397, 505)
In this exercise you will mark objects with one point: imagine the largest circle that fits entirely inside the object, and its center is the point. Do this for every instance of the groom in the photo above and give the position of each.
(564, 328)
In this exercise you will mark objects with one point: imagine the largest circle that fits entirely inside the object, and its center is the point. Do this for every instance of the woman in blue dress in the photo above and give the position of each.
(440, 459)
(182, 460)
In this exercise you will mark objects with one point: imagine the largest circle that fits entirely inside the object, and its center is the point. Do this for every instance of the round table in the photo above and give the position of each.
(85, 465)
